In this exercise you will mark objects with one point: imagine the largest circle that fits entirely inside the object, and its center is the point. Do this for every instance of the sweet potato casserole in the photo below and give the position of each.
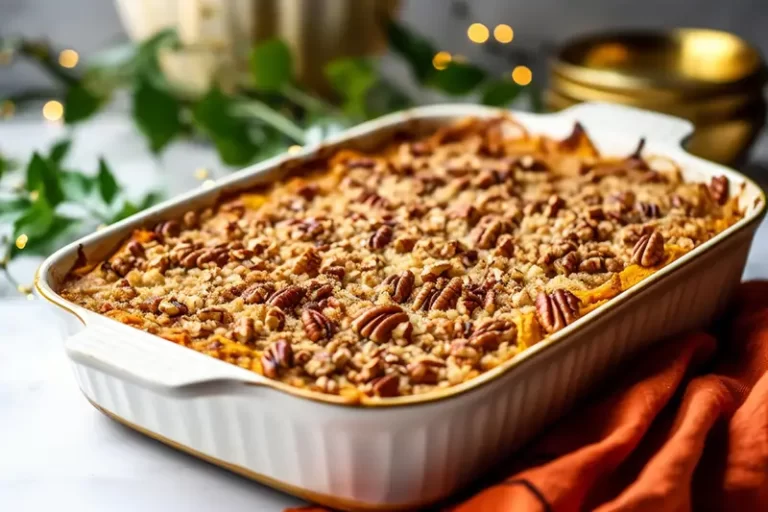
(415, 267)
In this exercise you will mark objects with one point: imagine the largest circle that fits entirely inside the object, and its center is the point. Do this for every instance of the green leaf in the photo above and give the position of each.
(416, 50)
(108, 187)
(6, 165)
(537, 102)
(77, 186)
(271, 65)
(150, 199)
(352, 79)
(11, 209)
(458, 78)
(49, 240)
(157, 112)
(500, 93)
(59, 152)
(259, 110)
(384, 98)
(43, 178)
(80, 104)
(126, 211)
(34, 222)
(323, 128)
(230, 134)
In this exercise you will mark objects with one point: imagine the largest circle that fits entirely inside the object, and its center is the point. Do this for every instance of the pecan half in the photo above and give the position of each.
(718, 189)
(378, 322)
(568, 263)
(369, 198)
(172, 307)
(277, 357)
(405, 244)
(381, 237)
(386, 386)
(218, 315)
(593, 265)
(465, 212)
(554, 204)
(649, 250)
(317, 325)
(275, 319)
(257, 293)
(168, 229)
(191, 220)
(649, 210)
(557, 309)
(286, 298)
(400, 286)
(244, 330)
(448, 297)
(135, 248)
(308, 263)
(425, 371)
(151, 305)
(488, 231)
(426, 297)
(491, 334)
(336, 271)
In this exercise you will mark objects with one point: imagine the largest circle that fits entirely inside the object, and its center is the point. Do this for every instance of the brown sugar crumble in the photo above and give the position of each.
(409, 269)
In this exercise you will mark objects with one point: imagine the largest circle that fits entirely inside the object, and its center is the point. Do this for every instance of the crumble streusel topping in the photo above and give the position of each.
(414, 268)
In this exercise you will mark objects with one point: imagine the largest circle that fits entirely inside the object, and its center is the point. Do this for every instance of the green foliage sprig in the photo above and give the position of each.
(260, 118)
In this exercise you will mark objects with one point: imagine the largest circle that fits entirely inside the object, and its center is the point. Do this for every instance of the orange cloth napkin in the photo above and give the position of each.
(686, 429)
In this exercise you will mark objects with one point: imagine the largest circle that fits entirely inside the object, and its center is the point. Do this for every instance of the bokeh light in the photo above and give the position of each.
(441, 60)
(53, 110)
(68, 58)
(503, 33)
(478, 33)
(522, 75)
(21, 241)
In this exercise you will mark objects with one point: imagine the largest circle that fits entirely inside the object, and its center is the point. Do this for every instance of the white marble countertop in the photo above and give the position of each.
(56, 451)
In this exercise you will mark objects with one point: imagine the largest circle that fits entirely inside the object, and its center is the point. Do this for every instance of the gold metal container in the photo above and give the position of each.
(714, 79)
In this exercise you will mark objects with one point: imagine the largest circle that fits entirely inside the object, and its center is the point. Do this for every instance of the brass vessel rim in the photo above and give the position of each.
(687, 62)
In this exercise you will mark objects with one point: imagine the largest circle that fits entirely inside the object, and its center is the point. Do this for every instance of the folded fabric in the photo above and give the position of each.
(685, 429)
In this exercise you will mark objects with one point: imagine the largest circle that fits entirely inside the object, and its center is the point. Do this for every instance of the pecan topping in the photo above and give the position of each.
(275, 319)
(381, 237)
(257, 293)
(286, 298)
(244, 330)
(405, 244)
(378, 322)
(649, 210)
(219, 315)
(592, 265)
(168, 229)
(447, 298)
(151, 305)
(336, 271)
(369, 198)
(191, 220)
(718, 189)
(466, 212)
(136, 249)
(568, 263)
(400, 286)
(488, 231)
(649, 250)
(386, 386)
(308, 263)
(554, 205)
(426, 297)
(322, 292)
(172, 307)
(316, 325)
(489, 335)
(425, 371)
(556, 310)
(277, 357)
(161, 263)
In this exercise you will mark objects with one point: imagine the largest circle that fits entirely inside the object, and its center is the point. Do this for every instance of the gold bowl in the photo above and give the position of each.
(713, 78)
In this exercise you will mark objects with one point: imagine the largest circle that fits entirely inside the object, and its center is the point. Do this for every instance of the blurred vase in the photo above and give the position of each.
(218, 34)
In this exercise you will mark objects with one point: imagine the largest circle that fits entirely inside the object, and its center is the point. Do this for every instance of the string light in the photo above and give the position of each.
(21, 241)
(201, 173)
(441, 60)
(208, 184)
(294, 149)
(503, 33)
(478, 33)
(53, 110)
(7, 109)
(522, 75)
(68, 58)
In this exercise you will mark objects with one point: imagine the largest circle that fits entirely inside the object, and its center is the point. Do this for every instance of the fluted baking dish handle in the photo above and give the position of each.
(630, 121)
(147, 361)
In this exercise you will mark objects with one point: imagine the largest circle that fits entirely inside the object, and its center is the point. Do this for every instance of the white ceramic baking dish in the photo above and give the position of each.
(406, 451)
